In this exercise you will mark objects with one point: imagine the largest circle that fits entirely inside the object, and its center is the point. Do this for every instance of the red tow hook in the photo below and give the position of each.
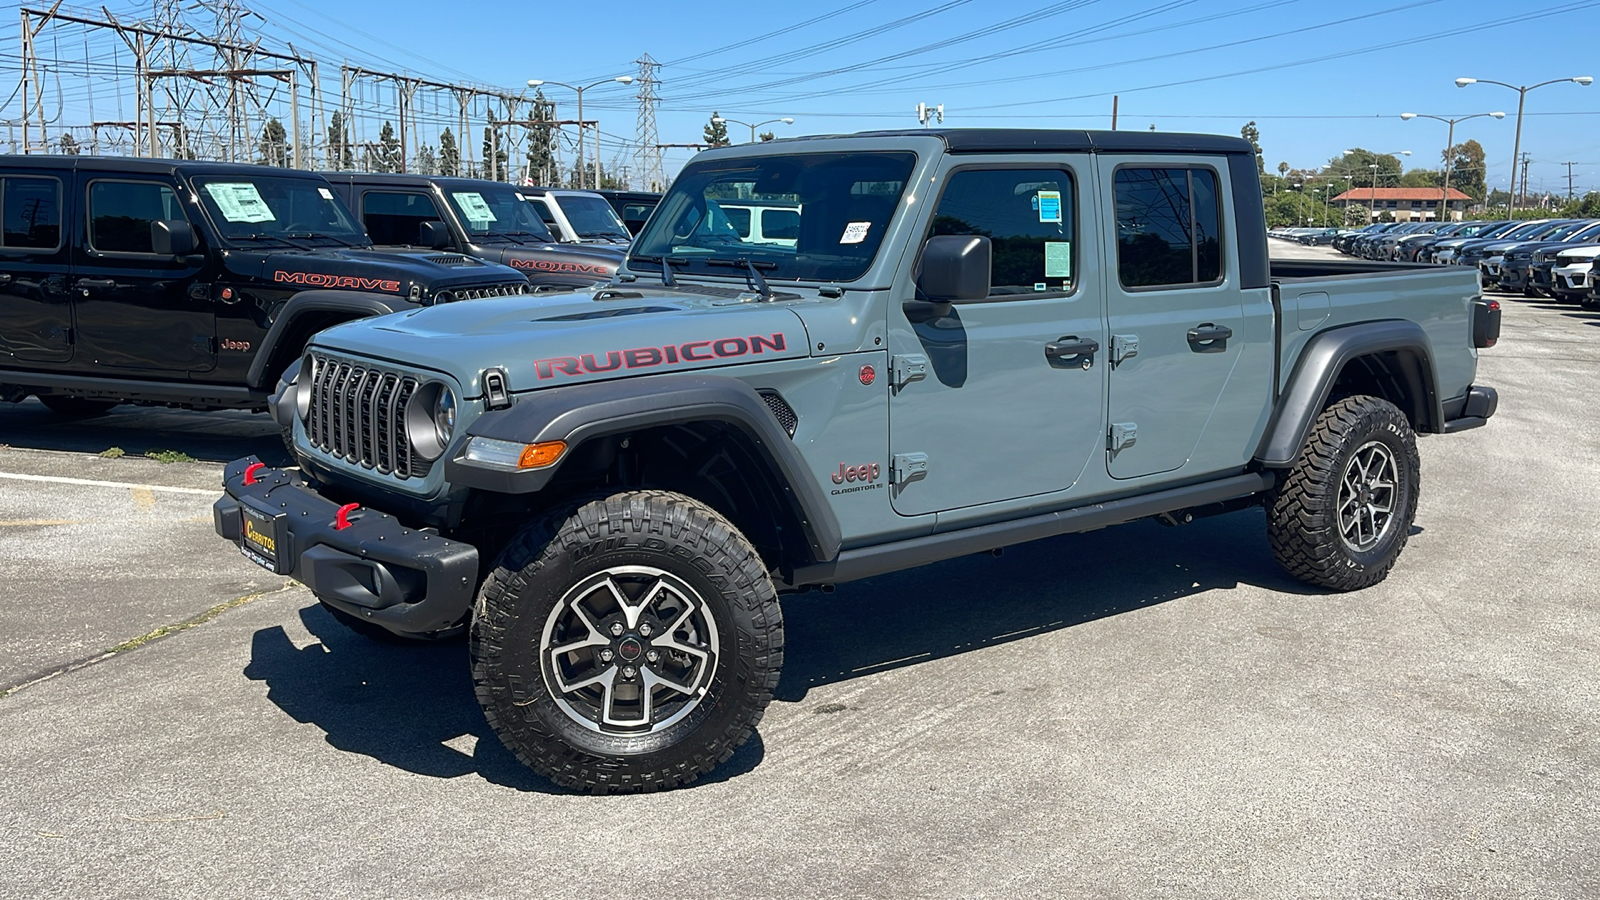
(251, 470)
(341, 519)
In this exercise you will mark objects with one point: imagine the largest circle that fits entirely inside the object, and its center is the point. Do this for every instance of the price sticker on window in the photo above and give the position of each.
(1058, 259)
(239, 201)
(474, 206)
(1049, 203)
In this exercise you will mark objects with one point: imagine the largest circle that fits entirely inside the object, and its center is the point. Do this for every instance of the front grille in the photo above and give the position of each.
(357, 414)
(454, 259)
(481, 291)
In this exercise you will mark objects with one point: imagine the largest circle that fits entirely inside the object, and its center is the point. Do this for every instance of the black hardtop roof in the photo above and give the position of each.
(411, 179)
(629, 195)
(1019, 140)
(139, 166)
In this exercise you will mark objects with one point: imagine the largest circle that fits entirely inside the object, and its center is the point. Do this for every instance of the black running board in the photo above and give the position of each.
(907, 554)
(177, 393)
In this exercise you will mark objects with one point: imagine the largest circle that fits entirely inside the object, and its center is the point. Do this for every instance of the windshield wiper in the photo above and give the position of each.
(752, 277)
(667, 263)
(263, 236)
(319, 236)
(608, 235)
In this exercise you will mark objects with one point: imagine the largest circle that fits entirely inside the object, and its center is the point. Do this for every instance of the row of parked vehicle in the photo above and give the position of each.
(1552, 258)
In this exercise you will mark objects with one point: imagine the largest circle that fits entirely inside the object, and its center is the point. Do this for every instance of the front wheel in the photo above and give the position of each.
(1344, 511)
(631, 645)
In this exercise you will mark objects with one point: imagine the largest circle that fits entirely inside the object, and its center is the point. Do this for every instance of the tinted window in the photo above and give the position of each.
(120, 213)
(249, 207)
(32, 208)
(1029, 217)
(782, 224)
(739, 218)
(489, 210)
(591, 217)
(393, 218)
(1169, 227)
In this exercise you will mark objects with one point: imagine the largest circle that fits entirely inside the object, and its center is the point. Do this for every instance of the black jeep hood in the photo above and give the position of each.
(389, 271)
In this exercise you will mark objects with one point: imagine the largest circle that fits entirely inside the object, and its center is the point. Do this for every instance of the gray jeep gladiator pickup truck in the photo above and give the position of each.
(978, 338)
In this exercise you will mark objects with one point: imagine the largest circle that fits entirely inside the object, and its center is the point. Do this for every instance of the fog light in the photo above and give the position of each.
(512, 454)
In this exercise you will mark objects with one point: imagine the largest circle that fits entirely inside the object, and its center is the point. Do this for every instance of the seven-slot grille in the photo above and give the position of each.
(358, 412)
(481, 291)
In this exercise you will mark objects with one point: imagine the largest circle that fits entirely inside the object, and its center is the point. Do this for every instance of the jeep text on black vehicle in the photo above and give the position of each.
(974, 339)
(188, 284)
(486, 219)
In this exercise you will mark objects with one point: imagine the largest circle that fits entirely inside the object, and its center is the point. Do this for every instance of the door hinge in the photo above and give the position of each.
(905, 369)
(1123, 434)
(1124, 346)
(907, 467)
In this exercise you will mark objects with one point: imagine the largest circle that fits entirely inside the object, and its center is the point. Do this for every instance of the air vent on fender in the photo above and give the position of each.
(781, 410)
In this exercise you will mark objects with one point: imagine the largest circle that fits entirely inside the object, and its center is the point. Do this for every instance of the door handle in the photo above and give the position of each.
(1209, 338)
(96, 284)
(1071, 352)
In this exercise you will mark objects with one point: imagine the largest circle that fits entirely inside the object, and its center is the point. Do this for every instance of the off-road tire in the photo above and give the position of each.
(76, 407)
(533, 583)
(1303, 523)
(379, 634)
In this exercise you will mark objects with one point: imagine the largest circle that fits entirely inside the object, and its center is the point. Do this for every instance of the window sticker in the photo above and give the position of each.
(1040, 286)
(1058, 259)
(239, 201)
(473, 204)
(855, 232)
(325, 193)
(1049, 205)
(519, 195)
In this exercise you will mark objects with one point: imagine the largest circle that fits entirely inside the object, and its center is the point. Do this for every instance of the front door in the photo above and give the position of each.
(988, 402)
(136, 309)
(1177, 327)
(35, 305)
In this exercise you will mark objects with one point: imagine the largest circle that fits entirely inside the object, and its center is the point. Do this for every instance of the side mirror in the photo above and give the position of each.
(171, 237)
(433, 234)
(955, 268)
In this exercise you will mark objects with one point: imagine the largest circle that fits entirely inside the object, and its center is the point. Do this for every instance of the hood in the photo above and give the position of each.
(407, 273)
(557, 263)
(589, 335)
(1580, 253)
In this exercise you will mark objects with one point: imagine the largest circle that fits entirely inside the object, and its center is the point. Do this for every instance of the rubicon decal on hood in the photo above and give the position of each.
(319, 279)
(550, 265)
(649, 357)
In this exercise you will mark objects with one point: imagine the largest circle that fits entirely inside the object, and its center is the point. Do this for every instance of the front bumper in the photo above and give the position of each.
(408, 581)
(1570, 281)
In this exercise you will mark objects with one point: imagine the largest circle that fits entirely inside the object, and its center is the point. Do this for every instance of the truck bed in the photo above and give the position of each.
(1294, 269)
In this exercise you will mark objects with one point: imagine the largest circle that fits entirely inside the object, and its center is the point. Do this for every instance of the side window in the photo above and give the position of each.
(781, 224)
(120, 213)
(545, 215)
(396, 218)
(1030, 217)
(1169, 226)
(32, 213)
(739, 218)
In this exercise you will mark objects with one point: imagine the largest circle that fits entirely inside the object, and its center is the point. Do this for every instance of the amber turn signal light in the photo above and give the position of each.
(537, 456)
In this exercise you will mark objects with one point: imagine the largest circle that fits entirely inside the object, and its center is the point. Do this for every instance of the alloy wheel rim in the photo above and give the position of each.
(628, 651)
(1367, 494)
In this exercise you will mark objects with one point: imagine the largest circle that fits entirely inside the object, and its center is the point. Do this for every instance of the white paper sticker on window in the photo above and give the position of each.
(239, 201)
(476, 208)
(1049, 206)
(519, 195)
(1058, 259)
(326, 194)
(855, 232)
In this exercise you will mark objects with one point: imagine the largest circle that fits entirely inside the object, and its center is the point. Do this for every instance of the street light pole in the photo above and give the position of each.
(724, 120)
(1449, 142)
(620, 79)
(1522, 97)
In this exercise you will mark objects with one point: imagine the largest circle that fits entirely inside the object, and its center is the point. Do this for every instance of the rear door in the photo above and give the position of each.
(35, 262)
(986, 405)
(135, 309)
(1175, 316)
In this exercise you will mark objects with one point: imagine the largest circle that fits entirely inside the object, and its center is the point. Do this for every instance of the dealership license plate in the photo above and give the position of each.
(264, 538)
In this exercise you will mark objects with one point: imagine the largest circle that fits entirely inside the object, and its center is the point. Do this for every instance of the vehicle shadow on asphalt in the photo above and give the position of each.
(213, 436)
(400, 704)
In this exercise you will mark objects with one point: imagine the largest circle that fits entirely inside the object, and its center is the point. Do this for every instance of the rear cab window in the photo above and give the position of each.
(30, 210)
(1169, 226)
(396, 217)
(121, 212)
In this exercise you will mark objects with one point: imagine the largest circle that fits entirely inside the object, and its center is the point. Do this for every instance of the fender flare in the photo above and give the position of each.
(578, 413)
(361, 303)
(1319, 365)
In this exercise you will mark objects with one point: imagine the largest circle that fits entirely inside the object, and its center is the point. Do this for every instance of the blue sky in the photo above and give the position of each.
(1316, 77)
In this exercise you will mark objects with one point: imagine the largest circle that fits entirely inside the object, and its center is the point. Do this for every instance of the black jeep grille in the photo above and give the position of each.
(480, 291)
(357, 413)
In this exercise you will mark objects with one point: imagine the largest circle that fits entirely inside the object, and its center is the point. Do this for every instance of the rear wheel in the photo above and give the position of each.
(631, 645)
(1344, 511)
(76, 407)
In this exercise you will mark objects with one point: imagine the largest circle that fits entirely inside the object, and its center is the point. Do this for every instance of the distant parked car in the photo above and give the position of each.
(633, 206)
(578, 217)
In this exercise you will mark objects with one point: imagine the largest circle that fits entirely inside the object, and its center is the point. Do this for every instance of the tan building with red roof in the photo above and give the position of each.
(1405, 204)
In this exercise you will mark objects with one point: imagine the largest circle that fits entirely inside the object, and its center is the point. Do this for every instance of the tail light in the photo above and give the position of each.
(1485, 322)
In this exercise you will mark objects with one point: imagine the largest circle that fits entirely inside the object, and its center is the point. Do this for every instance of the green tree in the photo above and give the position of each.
(1466, 162)
(496, 161)
(69, 145)
(341, 157)
(716, 133)
(542, 167)
(385, 157)
(449, 154)
(767, 136)
(274, 144)
(1253, 134)
(427, 161)
(1422, 178)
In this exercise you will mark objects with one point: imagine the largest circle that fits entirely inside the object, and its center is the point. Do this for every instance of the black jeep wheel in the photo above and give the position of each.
(76, 407)
(1343, 512)
(631, 645)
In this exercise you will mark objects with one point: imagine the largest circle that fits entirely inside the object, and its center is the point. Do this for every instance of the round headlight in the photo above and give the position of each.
(431, 419)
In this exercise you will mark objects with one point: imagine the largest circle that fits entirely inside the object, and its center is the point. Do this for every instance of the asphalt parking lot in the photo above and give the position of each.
(1141, 711)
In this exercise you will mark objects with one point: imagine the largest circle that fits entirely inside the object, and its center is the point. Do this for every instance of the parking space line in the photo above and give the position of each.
(62, 479)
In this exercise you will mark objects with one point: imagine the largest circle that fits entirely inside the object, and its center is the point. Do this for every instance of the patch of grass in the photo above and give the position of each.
(189, 623)
(113, 453)
(169, 456)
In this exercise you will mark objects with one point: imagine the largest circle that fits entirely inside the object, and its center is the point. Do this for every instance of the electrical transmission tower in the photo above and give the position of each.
(649, 154)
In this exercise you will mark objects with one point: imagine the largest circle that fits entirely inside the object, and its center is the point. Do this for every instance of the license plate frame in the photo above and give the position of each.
(264, 538)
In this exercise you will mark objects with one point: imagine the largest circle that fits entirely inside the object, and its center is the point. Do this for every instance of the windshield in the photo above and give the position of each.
(497, 212)
(591, 216)
(834, 210)
(1589, 233)
(267, 207)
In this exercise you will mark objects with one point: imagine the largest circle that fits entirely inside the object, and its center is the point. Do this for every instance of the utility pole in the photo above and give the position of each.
(1569, 166)
(1523, 184)
(650, 170)
(1114, 99)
